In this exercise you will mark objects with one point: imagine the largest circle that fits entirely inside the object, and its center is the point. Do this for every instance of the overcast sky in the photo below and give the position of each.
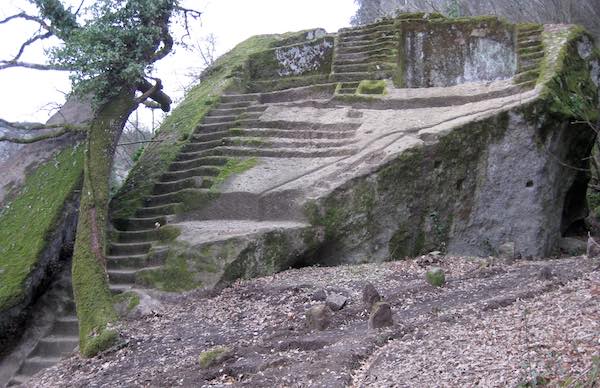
(26, 94)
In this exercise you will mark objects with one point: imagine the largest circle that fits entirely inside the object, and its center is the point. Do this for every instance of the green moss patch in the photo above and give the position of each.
(27, 222)
(371, 87)
(233, 166)
(213, 356)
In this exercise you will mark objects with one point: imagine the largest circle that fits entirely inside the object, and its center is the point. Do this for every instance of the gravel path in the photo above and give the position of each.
(492, 324)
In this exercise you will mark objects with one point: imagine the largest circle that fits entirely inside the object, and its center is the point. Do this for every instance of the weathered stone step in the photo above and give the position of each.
(55, 346)
(533, 55)
(288, 143)
(525, 76)
(306, 125)
(33, 365)
(364, 49)
(349, 84)
(174, 197)
(346, 90)
(530, 49)
(526, 66)
(359, 76)
(530, 43)
(173, 176)
(135, 236)
(363, 67)
(233, 105)
(204, 137)
(185, 183)
(121, 276)
(530, 27)
(218, 127)
(139, 223)
(68, 325)
(377, 27)
(200, 146)
(529, 34)
(365, 55)
(225, 112)
(206, 161)
(367, 35)
(363, 40)
(132, 261)
(369, 59)
(295, 134)
(120, 288)
(137, 248)
(250, 97)
(288, 152)
(219, 119)
(153, 211)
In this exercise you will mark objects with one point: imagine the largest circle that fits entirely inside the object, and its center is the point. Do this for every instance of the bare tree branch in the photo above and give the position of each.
(30, 41)
(26, 133)
(27, 65)
(25, 16)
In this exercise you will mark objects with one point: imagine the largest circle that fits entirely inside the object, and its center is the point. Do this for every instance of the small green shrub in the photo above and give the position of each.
(436, 277)
(213, 356)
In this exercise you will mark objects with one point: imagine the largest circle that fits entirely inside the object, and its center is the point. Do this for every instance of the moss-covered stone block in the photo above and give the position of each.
(214, 356)
(371, 87)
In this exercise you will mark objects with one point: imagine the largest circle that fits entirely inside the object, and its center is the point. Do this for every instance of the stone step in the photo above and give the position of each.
(219, 119)
(138, 223)
(529, 34)
(55, 346)
(368, 48)
(68, 325)
(363, 67)
(346, 90)
(365, 55)
(288, 152)
(523, 67)
(121, 276)
(197, 146)
(289, 143)
(173, 176)
(206, 161)
(209, 128)
(130, 262)
(17, 380)
(136, 248)
(533, 55)
(201, 138)
(369, 59)
(174, 197)
(155, 211)
(527, 50)
(383, 26)
(226, 112)
(345, 77)
(32, 365)
(349, 84)
(191, 182)
(250, 97)
(135, 236)
(530, 43)
(305, 125)
(120, 288)
(234, 105)
(295, 134)
(525, 76)
(365, 41)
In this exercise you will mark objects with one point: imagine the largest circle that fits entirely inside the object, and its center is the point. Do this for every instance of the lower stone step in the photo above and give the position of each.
(68, 325)
(346, 91)
(33, 365)
(139, 223)
(55, 346)
(346, 77)
(155, 211)
(134, 236)
(137, 248)
(250, 97)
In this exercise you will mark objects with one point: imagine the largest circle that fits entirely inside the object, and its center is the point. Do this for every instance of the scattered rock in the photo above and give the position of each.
(593, 248)
(137, 304)
(573, 246)
(318, 317)
(381, 316)
(507, 251)
(545, 273)
(319, 295)
(214, 356)
(370, 296)
(336, 302)
(435, 253)
(436, 277)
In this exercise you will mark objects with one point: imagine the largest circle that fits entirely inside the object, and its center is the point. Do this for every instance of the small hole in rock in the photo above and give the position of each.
(437, 164)
(529, 184)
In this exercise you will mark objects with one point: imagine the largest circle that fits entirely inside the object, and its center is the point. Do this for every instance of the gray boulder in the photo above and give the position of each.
(318, 317)
(381, 316)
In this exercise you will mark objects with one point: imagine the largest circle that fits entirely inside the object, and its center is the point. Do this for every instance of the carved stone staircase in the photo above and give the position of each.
(530, 53)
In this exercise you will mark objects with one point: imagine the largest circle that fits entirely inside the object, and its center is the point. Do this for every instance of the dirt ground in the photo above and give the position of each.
(493, 324)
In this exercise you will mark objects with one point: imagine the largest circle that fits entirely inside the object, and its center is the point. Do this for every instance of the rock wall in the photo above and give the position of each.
(446, 53)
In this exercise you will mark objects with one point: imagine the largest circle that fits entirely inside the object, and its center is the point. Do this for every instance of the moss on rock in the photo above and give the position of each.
(28, 220)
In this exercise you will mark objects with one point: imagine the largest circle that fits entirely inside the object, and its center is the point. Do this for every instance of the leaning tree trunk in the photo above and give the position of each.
(93, 298)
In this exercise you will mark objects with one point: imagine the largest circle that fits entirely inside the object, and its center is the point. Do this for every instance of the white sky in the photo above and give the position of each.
(26, 94)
